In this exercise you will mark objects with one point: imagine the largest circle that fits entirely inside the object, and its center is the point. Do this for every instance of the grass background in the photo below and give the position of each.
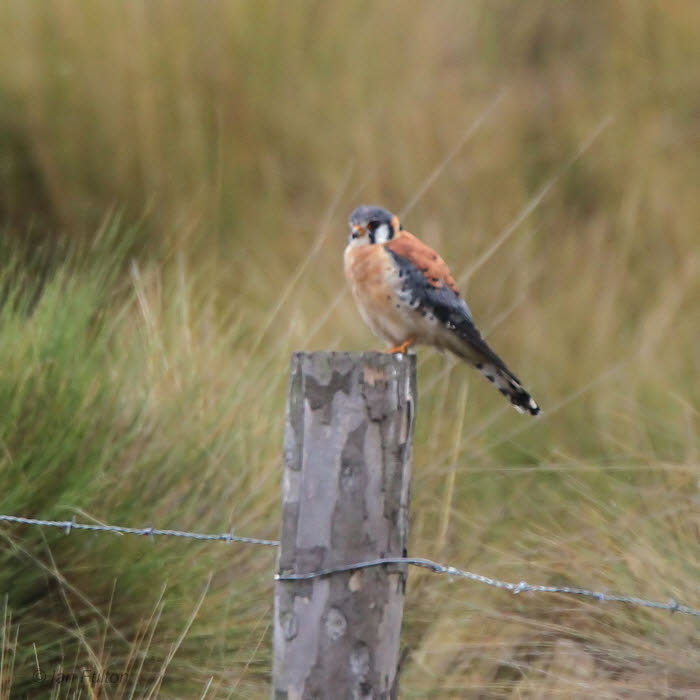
(175, 179)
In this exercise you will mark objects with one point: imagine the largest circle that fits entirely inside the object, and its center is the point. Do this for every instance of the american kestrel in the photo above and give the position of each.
(407, 296)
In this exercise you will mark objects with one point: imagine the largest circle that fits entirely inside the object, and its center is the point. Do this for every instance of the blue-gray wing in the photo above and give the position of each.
(433, 296)
(431, 289)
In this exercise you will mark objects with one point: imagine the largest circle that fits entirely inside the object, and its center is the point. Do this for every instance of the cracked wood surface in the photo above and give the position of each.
(345, 499)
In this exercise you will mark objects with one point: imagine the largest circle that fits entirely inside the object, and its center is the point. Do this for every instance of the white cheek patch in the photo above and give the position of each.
(382, 234)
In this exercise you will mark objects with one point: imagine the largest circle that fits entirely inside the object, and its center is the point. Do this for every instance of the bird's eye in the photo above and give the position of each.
(371, 225)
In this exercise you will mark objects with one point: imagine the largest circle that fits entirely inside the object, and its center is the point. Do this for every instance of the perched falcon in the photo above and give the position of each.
(407, 296)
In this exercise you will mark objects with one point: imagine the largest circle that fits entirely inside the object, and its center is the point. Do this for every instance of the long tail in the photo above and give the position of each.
(466, 341)
(509, 386)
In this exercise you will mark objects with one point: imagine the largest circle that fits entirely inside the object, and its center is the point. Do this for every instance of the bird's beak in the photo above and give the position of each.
(358, 231)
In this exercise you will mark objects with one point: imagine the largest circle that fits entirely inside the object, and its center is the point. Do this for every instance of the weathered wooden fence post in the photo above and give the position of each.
(345, 499)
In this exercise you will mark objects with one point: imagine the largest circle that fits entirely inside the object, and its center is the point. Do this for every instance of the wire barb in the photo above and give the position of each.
(152, 532)
(515, 588)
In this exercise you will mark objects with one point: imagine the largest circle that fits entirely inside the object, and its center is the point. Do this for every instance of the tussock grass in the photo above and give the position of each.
(546, 149)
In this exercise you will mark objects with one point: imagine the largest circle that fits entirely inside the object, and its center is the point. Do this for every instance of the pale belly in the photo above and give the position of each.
(383, 303)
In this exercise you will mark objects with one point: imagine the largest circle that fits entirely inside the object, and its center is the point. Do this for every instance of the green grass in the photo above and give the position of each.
(143, 354)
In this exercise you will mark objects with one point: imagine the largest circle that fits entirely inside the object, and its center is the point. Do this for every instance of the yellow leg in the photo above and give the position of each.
(403, 347)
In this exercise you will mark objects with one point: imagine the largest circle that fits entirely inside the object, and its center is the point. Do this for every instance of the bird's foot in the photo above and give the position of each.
(402, 347)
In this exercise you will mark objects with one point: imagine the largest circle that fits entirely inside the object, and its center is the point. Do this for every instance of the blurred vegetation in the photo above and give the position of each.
(174, 183)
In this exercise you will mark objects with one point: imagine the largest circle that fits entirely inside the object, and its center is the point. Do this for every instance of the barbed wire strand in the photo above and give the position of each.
(69, 525)
(515, 588)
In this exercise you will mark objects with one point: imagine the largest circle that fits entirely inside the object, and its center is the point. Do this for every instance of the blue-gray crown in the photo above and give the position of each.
(366, 213)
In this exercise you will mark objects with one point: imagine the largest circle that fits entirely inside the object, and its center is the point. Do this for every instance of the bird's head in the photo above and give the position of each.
(370, 225)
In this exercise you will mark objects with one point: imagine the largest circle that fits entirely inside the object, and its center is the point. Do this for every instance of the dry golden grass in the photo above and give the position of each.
(549, 150)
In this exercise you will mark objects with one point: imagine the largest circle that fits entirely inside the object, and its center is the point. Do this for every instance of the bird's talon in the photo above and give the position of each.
(402, 348)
